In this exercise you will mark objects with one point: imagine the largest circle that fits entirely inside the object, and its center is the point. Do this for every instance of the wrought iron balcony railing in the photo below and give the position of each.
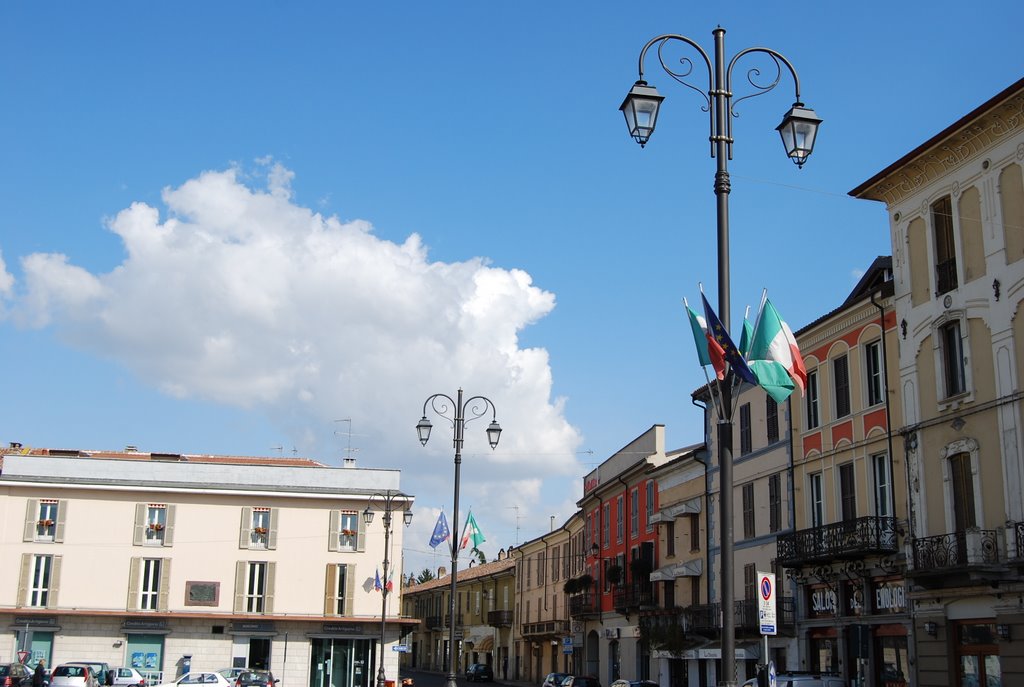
(499, 618)
(585, 604)
(1018, 538)
(955, 550)
(632, 597)
(870, 535)
(706, 619)
(548, 628)
(433, 622)
(945, 276)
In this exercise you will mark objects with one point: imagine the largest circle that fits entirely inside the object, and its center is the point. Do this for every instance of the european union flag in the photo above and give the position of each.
(441, 531)
(718, 339)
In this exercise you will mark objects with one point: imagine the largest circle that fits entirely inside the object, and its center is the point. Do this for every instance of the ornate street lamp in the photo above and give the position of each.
(455, 411)
(390, 501)
(798, 129)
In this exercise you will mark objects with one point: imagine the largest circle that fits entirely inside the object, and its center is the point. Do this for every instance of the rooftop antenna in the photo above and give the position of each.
(516, 509)
(279, 449)
(349, 451)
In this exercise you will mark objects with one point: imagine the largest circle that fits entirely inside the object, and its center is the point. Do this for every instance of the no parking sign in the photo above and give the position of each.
(766, 599)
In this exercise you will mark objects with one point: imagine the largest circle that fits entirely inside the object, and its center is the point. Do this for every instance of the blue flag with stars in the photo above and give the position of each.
(719, 338)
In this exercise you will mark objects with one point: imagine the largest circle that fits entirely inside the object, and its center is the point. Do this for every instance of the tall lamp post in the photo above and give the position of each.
(455, 411)
(391, 501)
(798, 129)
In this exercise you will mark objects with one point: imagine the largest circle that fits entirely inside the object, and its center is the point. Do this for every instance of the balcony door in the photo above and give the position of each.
(962, 483)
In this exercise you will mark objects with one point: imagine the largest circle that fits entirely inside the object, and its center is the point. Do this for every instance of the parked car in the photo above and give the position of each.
(15, 674)
(128, 677)
(99, 669)
(255, 678)
(581, 681)
(231, 673)
(635, 683)
(73, 675)
(796, 679)
(554, 679)
(479, 672)
(194, 679)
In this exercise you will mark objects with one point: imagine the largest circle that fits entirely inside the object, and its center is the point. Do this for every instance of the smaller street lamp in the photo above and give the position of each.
(391, 501)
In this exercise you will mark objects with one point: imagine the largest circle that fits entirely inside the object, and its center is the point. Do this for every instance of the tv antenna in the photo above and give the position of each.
(349, 451)
(516, 509)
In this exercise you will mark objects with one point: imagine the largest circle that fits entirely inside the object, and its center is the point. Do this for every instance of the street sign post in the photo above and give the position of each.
(766, 597)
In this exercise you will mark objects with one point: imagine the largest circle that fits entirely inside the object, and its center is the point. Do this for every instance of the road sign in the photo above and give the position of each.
(771, 673)
(22, 656)
(566, 645)
(766, 605)
(402, 648)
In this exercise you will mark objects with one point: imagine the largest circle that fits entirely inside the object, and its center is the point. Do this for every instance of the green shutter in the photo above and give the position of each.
(24, 578)
(141, 511)
(272, 535)
(240, 567)
(330, 590)
(133, 584)
(169, 525)
(165, 584)
(31, 519)
(334, 531)
(58, 530)
(245, 532)
(268, 592)
(51, 598)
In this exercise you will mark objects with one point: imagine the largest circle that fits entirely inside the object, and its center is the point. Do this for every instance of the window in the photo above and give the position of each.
(347, 532)
(554, 562)
(149, 592)
(952, 352)
(774, 503)
(811, 400)
(748, 510)
(607, 525)
(841, 380)
(254, 587)
(745, 441)
(694, 532)
(962, 479)
(945, 247)
(670, 538)
(540, 569)
(259, 528)
(44, 520)
(847, 493)
(619, 517)
(634, 513)
(340, 589)
(881, 468)
(39, 575)
(771, 415)
(873, 369)
(817, 500)
(750, 581)
(650, 505)
(694, 590)
(154, 524)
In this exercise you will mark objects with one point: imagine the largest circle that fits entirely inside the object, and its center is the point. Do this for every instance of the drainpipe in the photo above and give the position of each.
(707, 500)
(885, 391)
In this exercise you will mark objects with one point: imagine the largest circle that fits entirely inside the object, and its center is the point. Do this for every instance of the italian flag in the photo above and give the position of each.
(774, 356)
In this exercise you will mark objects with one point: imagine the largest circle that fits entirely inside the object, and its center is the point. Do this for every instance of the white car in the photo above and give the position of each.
(128, 677)
(200, 680)
(73, 675)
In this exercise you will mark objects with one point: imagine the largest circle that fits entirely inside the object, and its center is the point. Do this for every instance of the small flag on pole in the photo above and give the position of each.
(441, 531)
(389, 585)
(376, 580)
(471, 533)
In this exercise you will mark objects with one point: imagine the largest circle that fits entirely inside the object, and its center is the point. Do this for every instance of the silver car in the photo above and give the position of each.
(73, 675)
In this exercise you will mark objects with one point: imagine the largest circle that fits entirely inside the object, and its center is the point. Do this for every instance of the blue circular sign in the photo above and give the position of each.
(766, 588)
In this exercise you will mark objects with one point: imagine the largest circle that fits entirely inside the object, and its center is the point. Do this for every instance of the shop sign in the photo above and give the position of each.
(252, 626)
(854, 598)
(131, 624)
(823, 601)
(343, 628)
(890, 597)
(35, 621)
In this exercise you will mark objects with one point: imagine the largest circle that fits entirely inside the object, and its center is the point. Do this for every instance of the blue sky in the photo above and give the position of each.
(226, 226)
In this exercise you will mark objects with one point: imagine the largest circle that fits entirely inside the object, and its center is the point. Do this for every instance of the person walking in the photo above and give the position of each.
(39, 675)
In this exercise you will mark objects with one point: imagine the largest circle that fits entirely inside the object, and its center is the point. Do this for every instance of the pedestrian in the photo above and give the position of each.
(39, 676)
(504, 668)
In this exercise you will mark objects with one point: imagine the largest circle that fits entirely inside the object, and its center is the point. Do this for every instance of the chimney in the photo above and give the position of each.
(501, 554)
(441, 571)
(15, 445)
(348, 463)
(131, 448)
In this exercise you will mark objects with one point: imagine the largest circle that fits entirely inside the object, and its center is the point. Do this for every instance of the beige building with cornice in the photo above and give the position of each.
(956, 213)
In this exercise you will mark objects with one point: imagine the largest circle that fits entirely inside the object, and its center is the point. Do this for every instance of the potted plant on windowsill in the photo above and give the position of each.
(156, 526)
(259, 530)
(46, 523)
(348, 533)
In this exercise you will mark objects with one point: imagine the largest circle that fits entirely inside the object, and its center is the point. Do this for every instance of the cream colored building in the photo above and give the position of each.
(168, 562)
(956, 216)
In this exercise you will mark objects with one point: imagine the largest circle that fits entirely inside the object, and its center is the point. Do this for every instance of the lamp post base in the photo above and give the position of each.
(450, 681)
(381, 681)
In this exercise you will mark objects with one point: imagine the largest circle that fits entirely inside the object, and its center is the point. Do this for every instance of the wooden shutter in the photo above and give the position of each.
(51, 597)
(272, 535)
(331, 590)
(361, 536)
(58, 530)
(334, 531)
(240, 568)
(165, 584)
(141, 512)
(169, 525)
(24, 579)
(31, 519)
(268, 591)
(350, 588)
(133, 583)
(245, 531)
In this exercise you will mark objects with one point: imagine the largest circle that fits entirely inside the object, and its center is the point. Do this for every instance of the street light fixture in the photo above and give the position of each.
(391, 501)
(455, 411)
(798, 129)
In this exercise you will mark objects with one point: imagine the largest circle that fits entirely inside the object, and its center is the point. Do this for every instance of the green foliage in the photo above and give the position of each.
(480, 557)
(665, 633)
(426, 575)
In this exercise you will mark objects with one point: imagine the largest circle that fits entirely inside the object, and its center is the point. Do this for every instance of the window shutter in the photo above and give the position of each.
(240, 567)
(31, 519)
(58, 530)
(361, 536)
(133, 584)
(272, 535)
(165, 584)
(331, 590)
(169, 525)
(51, 597)
(268, 592)
(245, 532)
(141, 511)
(350, 588)
(334, 533)
(26, 575)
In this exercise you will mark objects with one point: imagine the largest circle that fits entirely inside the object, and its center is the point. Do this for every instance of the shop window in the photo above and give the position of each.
(978, 654)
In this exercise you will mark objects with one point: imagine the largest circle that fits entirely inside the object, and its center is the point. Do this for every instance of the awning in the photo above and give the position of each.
(692, 568)
(713, 650)
(485, 645)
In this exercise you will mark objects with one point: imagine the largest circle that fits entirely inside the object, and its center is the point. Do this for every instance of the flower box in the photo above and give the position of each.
(46, 523)
(260, 530)
(349, 533)
(155, 526)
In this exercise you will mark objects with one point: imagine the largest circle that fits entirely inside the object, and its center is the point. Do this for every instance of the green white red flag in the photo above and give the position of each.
(774, 357)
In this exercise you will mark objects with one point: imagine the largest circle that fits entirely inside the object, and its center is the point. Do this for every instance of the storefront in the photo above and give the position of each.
(34, 634)
(341, 657)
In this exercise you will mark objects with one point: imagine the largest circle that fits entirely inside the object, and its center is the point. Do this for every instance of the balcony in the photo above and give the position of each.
(433, 622)
(1015, 534)
(945, 276)
(867, 536)
(632, 598)
(955, 558)
(584, 605)
(547, 629)
(706, 619)
(499, 618)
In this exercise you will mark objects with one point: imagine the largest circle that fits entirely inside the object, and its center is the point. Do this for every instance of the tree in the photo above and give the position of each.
(426, 575)
(614, 574)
